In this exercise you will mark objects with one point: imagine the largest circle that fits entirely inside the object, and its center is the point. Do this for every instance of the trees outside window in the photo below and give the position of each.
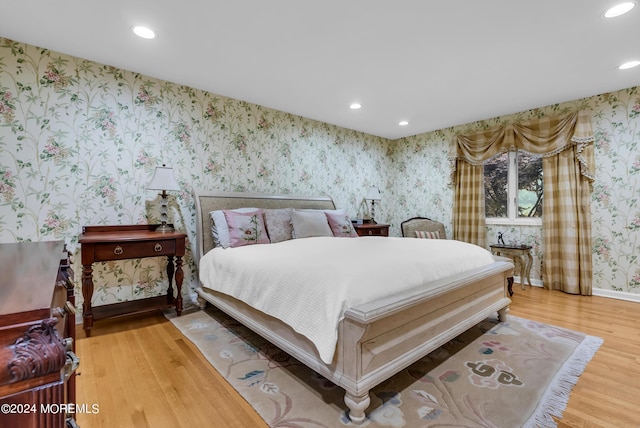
(513, 186)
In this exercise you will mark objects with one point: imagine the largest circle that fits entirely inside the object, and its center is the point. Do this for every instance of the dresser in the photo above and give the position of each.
(37, 331)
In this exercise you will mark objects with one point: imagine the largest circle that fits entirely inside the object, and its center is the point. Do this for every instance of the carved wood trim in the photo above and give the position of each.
(38, 352)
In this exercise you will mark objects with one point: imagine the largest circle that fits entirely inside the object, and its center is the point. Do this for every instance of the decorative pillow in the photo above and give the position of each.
(246, 228)
(308, 223)
(220, 229)
(340, 225)
(427, 235)
(278, 223)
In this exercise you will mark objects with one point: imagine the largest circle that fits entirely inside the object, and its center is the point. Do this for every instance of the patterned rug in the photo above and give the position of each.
(513, 374)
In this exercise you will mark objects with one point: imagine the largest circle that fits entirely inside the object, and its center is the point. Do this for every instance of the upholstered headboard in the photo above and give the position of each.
(211, 201)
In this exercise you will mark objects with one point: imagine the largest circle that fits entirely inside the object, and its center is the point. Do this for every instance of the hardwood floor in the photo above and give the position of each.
(141, 372)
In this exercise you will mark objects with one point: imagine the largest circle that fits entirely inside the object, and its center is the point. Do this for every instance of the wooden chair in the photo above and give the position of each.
(422, 224)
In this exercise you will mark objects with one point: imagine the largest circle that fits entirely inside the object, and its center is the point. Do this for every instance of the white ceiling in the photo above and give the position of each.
(433, 63)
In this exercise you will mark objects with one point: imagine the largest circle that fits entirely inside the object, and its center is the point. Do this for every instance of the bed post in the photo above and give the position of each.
(502, 314)
(357, 405)
(201, 302)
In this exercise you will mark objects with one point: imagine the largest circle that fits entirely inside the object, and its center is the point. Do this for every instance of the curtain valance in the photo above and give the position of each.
(546, 136)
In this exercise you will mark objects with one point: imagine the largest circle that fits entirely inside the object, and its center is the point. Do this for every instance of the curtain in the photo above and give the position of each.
(468, 213)
(566, 144)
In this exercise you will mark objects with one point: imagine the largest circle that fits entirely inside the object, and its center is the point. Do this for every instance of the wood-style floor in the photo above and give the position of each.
(141, 372)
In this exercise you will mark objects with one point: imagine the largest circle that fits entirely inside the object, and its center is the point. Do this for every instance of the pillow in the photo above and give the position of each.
(220, 229)
(309, 223)
(246, 228)
(427, 235)
(278, 223)
(340, 225)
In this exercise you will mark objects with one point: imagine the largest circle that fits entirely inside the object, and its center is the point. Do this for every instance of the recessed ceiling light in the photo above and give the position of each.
(403, 123)
(144, 32)
(355, 106)
(628, 65)
(619, 9)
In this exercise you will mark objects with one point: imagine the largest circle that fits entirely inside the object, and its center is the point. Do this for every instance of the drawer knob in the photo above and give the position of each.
(370, 232)
(157, 248)
(118, 250)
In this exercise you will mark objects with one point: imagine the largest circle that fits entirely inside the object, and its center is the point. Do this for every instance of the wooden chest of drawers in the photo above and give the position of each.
(37, 329)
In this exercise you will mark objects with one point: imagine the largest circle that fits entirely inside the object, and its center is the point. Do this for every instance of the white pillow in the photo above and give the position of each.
(308, 223)
(220, 228)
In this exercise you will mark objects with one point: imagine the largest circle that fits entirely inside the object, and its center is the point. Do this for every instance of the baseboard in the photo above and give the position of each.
(534, 281)
(620, 295)
(600, 292)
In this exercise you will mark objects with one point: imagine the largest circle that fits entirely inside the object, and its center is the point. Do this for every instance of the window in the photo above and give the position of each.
(513, 187)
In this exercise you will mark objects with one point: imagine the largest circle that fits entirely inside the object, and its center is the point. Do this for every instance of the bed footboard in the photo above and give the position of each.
(378, 339)
(381, 338)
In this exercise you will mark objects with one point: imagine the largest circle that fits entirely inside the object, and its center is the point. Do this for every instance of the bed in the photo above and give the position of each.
(374, 339)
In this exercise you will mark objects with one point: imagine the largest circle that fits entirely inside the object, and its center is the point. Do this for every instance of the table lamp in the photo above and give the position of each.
(373, 195)
(164, 180)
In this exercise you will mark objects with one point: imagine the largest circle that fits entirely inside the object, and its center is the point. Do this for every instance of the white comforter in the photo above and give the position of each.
(309, 283)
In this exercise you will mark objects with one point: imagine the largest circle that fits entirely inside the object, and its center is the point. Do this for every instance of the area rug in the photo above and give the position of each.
(513, 374)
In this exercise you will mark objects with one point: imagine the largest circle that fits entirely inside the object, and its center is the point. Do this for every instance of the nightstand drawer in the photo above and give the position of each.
(372, 229)
(134, 250)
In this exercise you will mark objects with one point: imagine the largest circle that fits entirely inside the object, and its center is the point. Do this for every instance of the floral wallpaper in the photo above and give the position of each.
(421, 187)
(79, 141)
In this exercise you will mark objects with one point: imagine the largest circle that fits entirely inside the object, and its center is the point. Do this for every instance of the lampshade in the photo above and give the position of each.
(163, 179)
(373, 194)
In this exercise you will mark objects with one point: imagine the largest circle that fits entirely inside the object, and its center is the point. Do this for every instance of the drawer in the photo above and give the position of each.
(134, 250)
(375, 232)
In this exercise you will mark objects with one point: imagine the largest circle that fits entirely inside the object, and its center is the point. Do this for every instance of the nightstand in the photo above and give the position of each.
(107, 243)
(372, 229)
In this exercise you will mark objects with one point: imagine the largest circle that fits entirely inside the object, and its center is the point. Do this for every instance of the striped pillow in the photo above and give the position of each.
(427, 235)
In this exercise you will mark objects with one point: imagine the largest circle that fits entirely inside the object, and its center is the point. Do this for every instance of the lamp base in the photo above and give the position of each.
(165, 228)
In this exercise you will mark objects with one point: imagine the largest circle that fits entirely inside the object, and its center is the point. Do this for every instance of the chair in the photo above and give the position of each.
(422, 224)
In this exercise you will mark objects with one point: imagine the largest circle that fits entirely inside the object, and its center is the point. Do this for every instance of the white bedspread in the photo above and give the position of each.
(309, 283)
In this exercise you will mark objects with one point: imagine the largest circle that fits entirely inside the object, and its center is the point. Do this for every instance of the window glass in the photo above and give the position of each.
(496, 186)
(529, 185)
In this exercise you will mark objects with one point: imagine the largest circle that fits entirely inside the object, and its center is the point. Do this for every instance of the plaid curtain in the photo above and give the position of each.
(566, 144)
(566, 225)
(468, 212)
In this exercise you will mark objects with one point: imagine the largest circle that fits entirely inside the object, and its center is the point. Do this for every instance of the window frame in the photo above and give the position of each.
(512, 218)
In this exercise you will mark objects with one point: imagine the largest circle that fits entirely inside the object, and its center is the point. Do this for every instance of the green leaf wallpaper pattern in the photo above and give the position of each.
(79, 142)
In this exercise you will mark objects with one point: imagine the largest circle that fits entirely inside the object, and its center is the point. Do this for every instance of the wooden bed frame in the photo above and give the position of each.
(375, 340)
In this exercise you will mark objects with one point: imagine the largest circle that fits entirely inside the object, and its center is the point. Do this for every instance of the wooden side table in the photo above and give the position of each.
(521, 253)
(371, 229)
(108, 243)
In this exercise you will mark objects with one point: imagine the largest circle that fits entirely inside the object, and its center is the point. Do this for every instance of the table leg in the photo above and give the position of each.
(523, 267)
(179, 279)
(170, 271)
(529, 264)
(87, 295)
